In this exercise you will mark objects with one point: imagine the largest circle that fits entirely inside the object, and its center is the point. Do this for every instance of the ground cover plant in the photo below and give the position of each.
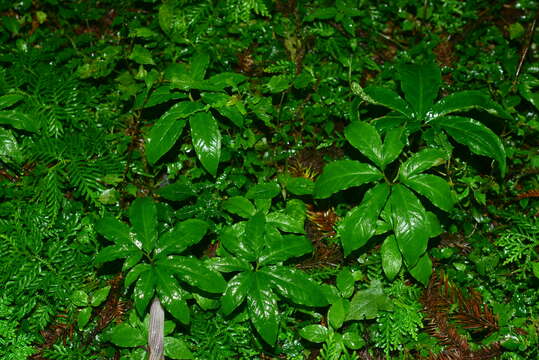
(266, 179)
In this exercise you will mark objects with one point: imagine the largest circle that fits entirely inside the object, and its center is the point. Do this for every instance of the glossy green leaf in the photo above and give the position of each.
(135, 272)
(144, 290)
(434, 188)
(206, 140)
(315, 333)
(229, 264)
(345, 282)
(535, 269)
(159, 95)
(409, 221)
(141, 55)
(359, 225)
(99, 296)
(240, 206)
(263, 191)
(284, 248)
(194, 272)
(176, 349)
(182, 236)
(237, 289)
(526, 88)
(263, 311)
(234, 240)
(199, 64)
(114, 252)
(480, 139)
(255, 229)
(299, 186)
(392, 147)
(114, 230)
(337, 312)
(124, 335)
(343, 174)
(366, 139)
(286, 222)
(295, 285)
(143, 216)
(382, 96)
(79, 298)
(422, 270)
(421, 161)
(420, 84)
(177, 191)
(233, 114)
(366, 304)
(168, 129)
(391, 257)
(19, 120)
(83, 317)
(464, 101)
(170, 295)
(10, 151)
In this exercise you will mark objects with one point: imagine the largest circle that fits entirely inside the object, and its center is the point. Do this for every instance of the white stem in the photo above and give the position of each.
(156, 330)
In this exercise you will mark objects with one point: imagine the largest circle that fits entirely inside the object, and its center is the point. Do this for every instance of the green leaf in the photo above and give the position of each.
(182, 236)
(434, 188)
(366, 304)
(352, 340)
(199, 64)
(79, 298)
(391, 257)
(382, 96)
(295, 285)
(9, 100)
(337, 312)
(114, 252)
(263, 191)
(359, 225)
(83, 317)
(286, 222)
(124, 335)
(170, 295)
(480, 139)
(315, 333)
(143, 217)
(420, 84)
(240, 206)
(177, 191)
(144, 290)
(158, 96)
(263, 311)
(206, 140)
(300, 186)
(366, 139)
(141, 55)
(234, 240)
(535, 268)
(464, 101)
(237, 289)
(229, 264)
(135, 272)
(193, 272)
(100, 295)
(409, 221)
(526, 86)
(10, 151)
(168, 129)
(422, 270)
(392, 147)
(421, 161)
(284, 248)
(176, 348)
(343, 174)
(19, 120)
(345, 282)
(114, 230)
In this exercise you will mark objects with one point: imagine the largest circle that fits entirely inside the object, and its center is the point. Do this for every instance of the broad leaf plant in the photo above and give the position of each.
(394, 205)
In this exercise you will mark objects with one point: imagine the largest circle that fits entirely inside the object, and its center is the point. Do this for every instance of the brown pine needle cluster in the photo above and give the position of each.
(438, 299)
